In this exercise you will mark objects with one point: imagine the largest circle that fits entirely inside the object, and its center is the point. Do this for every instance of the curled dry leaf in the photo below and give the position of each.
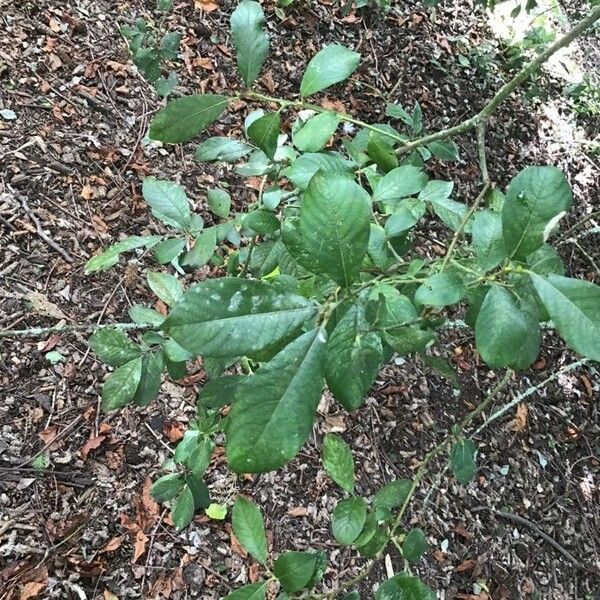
(520, 421)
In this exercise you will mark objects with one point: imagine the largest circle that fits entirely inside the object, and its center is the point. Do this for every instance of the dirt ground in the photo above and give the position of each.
(71, 165)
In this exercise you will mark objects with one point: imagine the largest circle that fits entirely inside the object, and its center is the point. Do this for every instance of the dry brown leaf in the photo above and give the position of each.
(253, 573)
(298, 511)
(520, 421)
(236, 546)
(32, 590)
(49, 434)
(108, 595)
(93, 443)
(466, 565)
(43, 306)
(173, 430)
(205, 5)
(334, 424)
(149, 505)
(588, 386)
(87, 192)
(112, 544)
(139, 547)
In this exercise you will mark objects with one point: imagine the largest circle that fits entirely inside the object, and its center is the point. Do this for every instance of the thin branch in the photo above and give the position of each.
(531, 525)
(463, 224)
(506, 90)
(528, 392)
(41, 331)
(420, 474)
(481, 152)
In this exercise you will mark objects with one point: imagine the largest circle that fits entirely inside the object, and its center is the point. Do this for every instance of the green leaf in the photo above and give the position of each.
(407, 340)
(219, 392)
(406, 215)
(375, 545)
(506, 335)
(234, 317)
(167, 487)
(382, 153)
(252, 591)
(222, 149)
(199, 491)
(164, 86)
(488, 241)
(184, 118)
(400, 183)
(187, 445)
(183, 508)
(338, 461)
(249, 528)
(441, 289)
(353, 358)
(264, 132)
(199, 459)
(121, 385)
(393, 494)
(446, 150)
(273, 412)
(110, 256)
(202, 250)
(294, 569)
(167, 287)
(369, 530)
(320, 568)
(113, 347)
(249, 38)
(261, 221)
(332, 64)
(219, 201)
(150, 380)
(451, 212)
(354, 595)
(546, 261)
(316, 132)
(397, 112)
(348, 519)
(414, 545)
(144, 315)
(574, 307)
(436, 190)
(305, 166)
(168, 250)
(404, 587)
(334, 227)
(215, 511)
(535, 200)
(462, 460)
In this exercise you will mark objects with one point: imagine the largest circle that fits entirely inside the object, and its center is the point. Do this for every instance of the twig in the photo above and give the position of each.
(523, 521)
(42, 233)
(481, 152)
(420, 474)
(41, 331)
(528, 392)
(563, 236)
(463, 224)
(151, 545)
(55, 439)
(507, 89)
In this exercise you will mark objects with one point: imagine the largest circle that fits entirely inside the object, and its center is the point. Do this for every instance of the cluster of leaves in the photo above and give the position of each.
(150, 51)
(366, 526)
(323, 285)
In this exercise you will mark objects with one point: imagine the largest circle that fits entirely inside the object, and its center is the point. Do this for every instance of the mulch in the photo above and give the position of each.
(77, 519)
